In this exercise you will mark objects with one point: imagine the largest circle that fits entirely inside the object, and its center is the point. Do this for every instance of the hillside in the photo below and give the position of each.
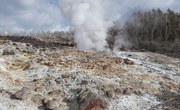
(56, 74)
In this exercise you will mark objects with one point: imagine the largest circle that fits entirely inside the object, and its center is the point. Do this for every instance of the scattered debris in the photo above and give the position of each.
(55, 78)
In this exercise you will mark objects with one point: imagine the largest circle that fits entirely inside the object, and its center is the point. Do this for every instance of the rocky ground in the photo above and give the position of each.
(61, 77)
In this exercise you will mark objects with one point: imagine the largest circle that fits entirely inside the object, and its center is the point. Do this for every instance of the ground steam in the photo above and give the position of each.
(89, 20)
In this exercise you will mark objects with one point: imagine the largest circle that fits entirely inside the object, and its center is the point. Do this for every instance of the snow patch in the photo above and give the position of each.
(3, 68)
(158, 67)
(1, 60)
(134, 102)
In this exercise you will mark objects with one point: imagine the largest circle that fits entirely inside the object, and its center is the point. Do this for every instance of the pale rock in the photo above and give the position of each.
(51, 104)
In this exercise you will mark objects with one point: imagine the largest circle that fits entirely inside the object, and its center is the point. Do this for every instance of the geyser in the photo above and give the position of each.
(89, 20)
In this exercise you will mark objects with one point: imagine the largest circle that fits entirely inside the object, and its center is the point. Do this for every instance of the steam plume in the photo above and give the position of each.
(88, 18)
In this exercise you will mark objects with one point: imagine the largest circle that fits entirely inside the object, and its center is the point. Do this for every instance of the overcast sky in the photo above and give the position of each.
(44, 15)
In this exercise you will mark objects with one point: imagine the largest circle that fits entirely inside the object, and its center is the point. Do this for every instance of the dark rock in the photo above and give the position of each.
(129, 62)
(79, 90)
(110, 93)
(66, 75)
(107, 67)
(85, 82)
(24, 51)
(15, 44)
(137, 92)
(118, 91)
(21, 49)
(31, 51)
(28, 44)
(8, 51)
(54, 93)
(51, 104)
(131, 88)
(42, 88)
(82, 95)
(21, 94)
(92, 101)
(58, 80)
(161, 83)
(37, 99)
(127, 91)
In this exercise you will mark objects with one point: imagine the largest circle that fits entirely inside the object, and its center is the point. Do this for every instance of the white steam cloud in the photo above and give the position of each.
(90, 22)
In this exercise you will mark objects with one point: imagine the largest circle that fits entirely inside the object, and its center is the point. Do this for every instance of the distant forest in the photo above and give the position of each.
(151, 30)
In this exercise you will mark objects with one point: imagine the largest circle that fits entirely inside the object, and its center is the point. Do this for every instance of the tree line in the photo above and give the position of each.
(152, 26)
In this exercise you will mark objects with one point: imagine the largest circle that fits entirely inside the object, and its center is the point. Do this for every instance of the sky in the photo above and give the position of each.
(45, 15)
